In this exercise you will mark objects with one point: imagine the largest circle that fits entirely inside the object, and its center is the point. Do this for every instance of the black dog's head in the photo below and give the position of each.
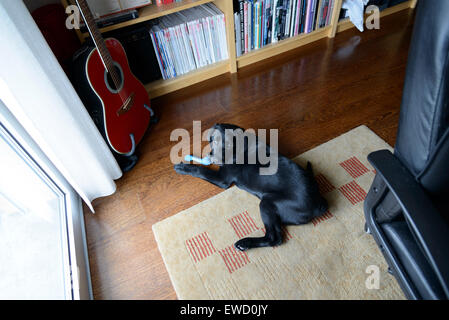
(223, 141)
(231, 144)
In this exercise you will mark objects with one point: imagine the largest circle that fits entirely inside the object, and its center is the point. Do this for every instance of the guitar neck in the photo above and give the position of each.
(96, 37)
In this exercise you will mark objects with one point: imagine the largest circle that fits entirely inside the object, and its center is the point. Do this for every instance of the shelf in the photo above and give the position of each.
(282, 46)
(153, 11)
(161, 87)
(346, 24)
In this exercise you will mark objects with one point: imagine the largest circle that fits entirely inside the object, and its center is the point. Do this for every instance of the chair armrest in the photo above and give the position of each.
(426, 223)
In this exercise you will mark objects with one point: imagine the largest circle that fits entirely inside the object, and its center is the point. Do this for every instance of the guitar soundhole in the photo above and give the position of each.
(110, 82)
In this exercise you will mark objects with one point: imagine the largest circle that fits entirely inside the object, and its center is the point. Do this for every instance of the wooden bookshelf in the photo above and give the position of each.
(161, 87)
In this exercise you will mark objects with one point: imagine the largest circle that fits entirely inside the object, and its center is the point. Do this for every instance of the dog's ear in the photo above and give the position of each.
(208, 134)
(216, 126)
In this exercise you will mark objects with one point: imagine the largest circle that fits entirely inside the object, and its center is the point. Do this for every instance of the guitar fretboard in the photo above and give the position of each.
(98, 41)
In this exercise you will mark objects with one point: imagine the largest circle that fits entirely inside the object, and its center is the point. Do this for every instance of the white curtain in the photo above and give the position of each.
(36, 90)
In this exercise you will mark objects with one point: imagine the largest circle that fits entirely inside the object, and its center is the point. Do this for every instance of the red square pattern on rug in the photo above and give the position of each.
(200, 247)
(354, 167)
(234, 259)
(243, 224)
(353, 192)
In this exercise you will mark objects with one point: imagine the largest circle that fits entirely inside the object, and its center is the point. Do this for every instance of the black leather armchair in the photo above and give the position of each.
(407, 207)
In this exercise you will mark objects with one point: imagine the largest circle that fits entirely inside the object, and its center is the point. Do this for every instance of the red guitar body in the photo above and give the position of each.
(126, 109)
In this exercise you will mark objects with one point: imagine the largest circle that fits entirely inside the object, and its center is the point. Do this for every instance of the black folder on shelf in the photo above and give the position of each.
(138, 46)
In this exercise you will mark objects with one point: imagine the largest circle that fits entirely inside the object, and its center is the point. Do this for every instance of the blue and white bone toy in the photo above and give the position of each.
(205, 161)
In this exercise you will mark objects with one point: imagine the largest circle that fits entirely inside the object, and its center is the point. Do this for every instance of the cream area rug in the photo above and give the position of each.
(330, 258)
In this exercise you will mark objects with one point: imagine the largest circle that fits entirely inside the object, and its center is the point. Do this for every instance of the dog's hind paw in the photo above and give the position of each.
(242, 244)
(249, 243)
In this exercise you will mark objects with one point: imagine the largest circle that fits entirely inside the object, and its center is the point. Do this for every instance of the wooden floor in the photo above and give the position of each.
(311, 94)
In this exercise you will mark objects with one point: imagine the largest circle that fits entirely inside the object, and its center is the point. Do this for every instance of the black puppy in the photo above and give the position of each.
(290, 196)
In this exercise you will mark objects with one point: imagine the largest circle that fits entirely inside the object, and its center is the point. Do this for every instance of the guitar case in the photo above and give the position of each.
(93, 104)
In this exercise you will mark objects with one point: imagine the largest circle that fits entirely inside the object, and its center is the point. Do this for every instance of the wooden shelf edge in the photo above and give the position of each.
(153, 11)
(281, 47)
(347, 24)
(161, 87)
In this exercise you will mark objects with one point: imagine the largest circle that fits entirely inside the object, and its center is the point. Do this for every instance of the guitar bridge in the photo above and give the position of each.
(127, 105)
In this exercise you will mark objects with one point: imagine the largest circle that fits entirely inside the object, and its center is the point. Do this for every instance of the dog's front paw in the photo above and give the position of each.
(185, 168)
(242, 244)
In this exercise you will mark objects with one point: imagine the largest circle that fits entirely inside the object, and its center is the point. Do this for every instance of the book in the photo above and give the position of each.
(315, 14)
(293, 18)
(281, 28)
(307, 14)
(261, 23)
(238, 35)
(329, 12)
(250, 25)
(241, 4)
(246, 26)
(323, 13)
(289, 8)
(304, 15)
(256, 24)
(275, 22)
(268, 19)
(299, 6)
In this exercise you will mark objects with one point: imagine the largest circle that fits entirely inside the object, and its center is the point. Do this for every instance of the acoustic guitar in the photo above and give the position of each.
(116, 100)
